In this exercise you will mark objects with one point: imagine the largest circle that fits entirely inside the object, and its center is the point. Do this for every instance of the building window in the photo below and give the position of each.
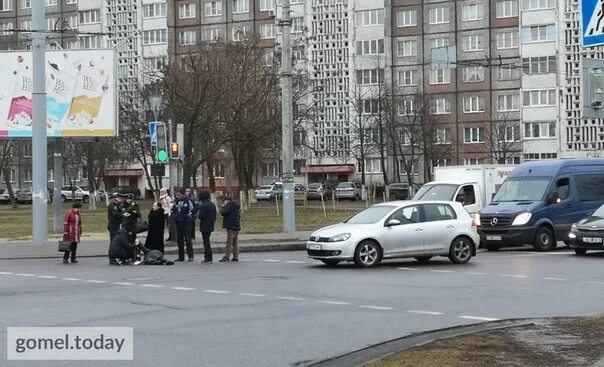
(27, 175)
(270, 169)
(508, 134)
(373, 165)
(241, 6)
(241, 33)
(507, 102)
(440, 76)
(155, 63)
(472, 12)
(407, 78)
(187, 11)
(299, 138)
(370, 47)
(508, 73)
(212, 35)
(413, 164)
(541, 97)
(370, 76)
(539, 33)
(440, 106)
(474, 161)
(371, 106)
(27, 150)
(91, 42)
(90, 16)
(407, 48)
(5, 5)
(51, 23)
(266, 5)
(219, 171)
(406, 108)
(473, 42)
(439, 15)
(267, 31)
(539, 65)
(187, 38)
(26, 24)
(367, 18)
(473, 74)
(72, 20)
(540, 130)
(539, 156)
(407, 18)
(25, 4)
(154, 10)
(51, 2)
(473, 104)
(507, 9)
(443, 136)
(473, 135)
(439, 42)
(11, 175)
(155, 37)
(298, 164)
(538, 4)
(6, 29)
(71, 2)
(297, 25)
(506, 40)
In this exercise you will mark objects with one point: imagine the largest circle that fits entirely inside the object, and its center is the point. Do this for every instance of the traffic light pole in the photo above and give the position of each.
(171, 164)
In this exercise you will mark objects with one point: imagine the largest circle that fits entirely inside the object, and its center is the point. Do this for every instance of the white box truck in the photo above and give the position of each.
(474, 186)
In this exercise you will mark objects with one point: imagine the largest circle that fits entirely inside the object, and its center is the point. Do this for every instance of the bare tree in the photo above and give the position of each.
(502, 138)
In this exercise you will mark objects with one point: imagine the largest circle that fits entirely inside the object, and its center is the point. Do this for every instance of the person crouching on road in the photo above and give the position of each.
(121, 250)
(207, 220)
(72, 231)
(183, 212)
(132, 213)
(231, 221)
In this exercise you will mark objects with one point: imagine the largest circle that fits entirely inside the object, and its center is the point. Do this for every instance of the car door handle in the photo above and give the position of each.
(450, 226)
(418, 229)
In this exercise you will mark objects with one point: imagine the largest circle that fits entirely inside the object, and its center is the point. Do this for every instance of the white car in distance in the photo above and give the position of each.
(399, 229)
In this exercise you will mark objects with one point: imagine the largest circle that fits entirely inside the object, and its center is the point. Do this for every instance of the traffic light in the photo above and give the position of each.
(162, 145)
(174, 151)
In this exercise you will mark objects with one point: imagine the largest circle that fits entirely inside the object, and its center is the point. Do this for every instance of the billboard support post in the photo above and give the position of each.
(39, 148)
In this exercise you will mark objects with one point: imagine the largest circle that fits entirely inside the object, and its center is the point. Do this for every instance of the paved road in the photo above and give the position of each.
(281, 309)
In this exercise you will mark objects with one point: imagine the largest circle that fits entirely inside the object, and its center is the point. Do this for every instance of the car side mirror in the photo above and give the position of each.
(393, 222)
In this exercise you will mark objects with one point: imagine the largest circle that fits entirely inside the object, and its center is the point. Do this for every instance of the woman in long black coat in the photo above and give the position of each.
(155, 234)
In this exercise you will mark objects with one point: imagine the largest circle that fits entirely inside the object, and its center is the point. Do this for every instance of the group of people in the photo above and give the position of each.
(179, 215)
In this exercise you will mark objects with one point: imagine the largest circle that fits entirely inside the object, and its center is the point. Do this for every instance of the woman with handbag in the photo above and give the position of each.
(72, 230)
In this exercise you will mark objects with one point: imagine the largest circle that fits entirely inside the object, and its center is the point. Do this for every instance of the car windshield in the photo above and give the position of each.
(599, 213)
(314, 185)
(370, 215)
(436, 192)
(344, 185)
(522, 189)
(265, 188)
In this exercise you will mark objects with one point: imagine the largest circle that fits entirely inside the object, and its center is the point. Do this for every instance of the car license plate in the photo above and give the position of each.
(314, 247)
(493, 238)
(592, 239)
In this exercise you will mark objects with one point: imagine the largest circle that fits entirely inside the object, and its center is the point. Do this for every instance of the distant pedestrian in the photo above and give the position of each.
(72, 231)
(183, 212)
(115, 215)
(231, 221)
(132, 214)
(207, 220)
(191, 196)
(166, 203)
(155, 233)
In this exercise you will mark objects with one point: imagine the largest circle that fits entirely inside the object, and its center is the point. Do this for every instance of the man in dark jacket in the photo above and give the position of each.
(207, 219)
(121, 250)
(183, 212)
(115, 216)
(231, 221)
(191, 196)
(132, 213)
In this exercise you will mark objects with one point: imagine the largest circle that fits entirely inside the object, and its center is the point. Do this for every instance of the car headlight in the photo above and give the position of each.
(573, 228)
(522, 219)
(477, 219)
(340, 237)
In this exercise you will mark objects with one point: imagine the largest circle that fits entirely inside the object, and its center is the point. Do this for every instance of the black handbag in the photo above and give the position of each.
(64, 246)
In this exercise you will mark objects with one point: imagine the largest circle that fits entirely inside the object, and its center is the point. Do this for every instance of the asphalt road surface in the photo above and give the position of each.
(282, 309)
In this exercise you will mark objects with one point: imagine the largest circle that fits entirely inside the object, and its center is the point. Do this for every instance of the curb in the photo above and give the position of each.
(296, 246)
(381, 350)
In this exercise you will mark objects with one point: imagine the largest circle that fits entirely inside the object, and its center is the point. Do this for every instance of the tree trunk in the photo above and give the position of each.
(9, 187)
(211, 178)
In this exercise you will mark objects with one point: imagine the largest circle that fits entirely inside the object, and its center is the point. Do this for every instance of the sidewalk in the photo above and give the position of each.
(98, 245)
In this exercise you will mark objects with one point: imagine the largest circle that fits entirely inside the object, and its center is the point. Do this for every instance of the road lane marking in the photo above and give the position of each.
(47, 276)
(25, 275)
(410, 269)
(513, 276)
(96, 281)
(272, 261)
(433, 313)
(216, 291)
(6, 273)
(474, 273)
(377, 307)
(122, 283)
(152, 285)
(478, 318)
(287, 298)
(295, 262)
(72, 279)
(332, 302)
(442, 271)
(594, 282)
(252, 294)
(554, 278)
(182, 288)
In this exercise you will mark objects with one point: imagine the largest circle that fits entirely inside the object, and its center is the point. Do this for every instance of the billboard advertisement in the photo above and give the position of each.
(80, 93)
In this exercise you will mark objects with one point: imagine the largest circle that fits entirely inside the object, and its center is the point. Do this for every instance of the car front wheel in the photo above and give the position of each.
(367, 254)
(460, 251)
(544, 240)
(580, 251)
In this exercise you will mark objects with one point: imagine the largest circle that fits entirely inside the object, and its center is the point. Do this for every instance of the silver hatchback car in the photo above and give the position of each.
(399, 229)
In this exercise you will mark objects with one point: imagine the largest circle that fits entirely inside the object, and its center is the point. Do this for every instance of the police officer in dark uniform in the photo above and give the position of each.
(115, 215)
(132, 214)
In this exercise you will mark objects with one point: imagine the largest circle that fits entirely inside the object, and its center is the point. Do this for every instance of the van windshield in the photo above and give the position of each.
(436, 192)
(522, 189)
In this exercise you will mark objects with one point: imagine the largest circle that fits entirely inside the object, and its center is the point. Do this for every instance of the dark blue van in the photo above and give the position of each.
(539, 201)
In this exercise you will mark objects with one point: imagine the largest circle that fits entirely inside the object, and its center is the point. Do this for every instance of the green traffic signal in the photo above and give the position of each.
(162, 156)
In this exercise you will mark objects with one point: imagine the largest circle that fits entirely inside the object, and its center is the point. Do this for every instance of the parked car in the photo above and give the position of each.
(67, 194)
(317, 189)
(419, 229)
(100, 193)
(5, 198)
(539, 201)
(588, 233)
(25, 195)
(268, 192)
(348, 190)
(299, 192)
(125, 190)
